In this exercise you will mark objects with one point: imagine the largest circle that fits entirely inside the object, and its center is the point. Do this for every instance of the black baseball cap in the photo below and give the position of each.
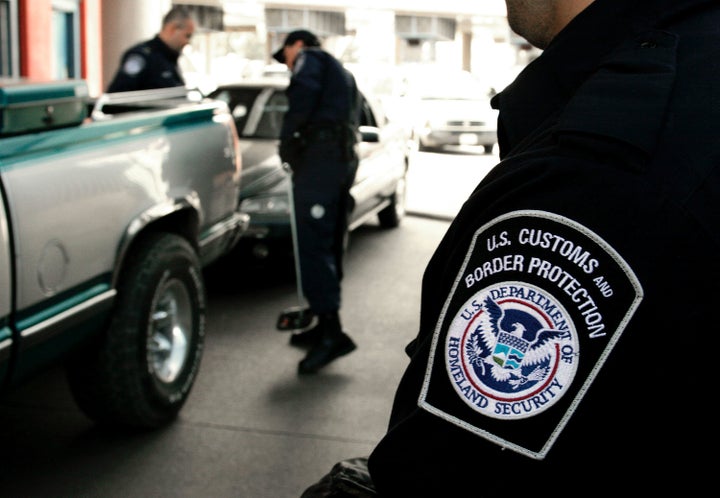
(309, 39)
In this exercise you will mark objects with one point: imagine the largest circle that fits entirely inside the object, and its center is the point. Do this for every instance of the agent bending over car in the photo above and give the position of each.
(318, 140)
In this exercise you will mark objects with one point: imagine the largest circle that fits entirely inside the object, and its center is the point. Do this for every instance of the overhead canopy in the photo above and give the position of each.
(208, 14)
(410, 27)
(323, 23)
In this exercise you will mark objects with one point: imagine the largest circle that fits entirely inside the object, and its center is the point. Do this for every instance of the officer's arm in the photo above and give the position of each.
(130, 74)
(303, 93)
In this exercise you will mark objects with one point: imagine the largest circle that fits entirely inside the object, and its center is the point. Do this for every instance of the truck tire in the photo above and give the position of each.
(391, 215)
(139, 374)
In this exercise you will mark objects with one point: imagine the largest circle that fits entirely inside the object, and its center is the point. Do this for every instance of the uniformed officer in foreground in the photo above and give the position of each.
(568, 326)
(318, 140)
(154, 63)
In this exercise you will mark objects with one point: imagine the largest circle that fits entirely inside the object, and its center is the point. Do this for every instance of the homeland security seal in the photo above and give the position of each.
(511, 357)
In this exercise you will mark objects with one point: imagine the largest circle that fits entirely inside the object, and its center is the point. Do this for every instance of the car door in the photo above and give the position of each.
(382, 163)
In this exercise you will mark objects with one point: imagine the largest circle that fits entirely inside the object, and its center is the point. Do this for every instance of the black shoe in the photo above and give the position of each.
(306, 339)
(325, 351)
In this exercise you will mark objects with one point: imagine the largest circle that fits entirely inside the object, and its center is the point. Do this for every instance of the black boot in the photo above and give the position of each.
(332, 344)
(307, 338)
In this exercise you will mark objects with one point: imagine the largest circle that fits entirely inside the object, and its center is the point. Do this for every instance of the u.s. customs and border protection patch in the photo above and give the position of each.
(536, 308)
(134, 64)
(512, 351)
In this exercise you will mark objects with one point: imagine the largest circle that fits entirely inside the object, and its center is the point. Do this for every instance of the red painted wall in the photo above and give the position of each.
(36, 49)
(35, 38)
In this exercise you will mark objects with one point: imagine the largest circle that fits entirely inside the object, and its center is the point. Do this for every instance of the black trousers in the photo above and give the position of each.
(322, 180)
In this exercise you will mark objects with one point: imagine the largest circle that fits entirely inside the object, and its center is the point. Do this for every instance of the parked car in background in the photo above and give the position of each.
(447, 108)
(258, 107)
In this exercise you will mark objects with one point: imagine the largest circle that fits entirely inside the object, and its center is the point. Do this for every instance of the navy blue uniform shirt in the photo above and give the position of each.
(568, 325)
(148, 65)
(320, 93)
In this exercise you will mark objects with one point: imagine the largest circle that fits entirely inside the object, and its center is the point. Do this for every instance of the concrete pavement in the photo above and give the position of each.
(252, 428)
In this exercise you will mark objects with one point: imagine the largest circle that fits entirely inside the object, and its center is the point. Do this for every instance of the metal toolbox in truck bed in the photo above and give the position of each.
(27, 106)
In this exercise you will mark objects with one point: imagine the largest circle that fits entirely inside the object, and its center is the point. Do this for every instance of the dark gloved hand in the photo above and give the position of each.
(347, 479)
(291, 149)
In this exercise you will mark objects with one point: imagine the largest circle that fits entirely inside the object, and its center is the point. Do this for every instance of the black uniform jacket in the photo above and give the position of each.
(148, 65)
(322, 99)
(567, 329)
(319, 91)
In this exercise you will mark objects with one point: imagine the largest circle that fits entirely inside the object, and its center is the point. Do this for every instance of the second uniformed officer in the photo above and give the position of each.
(318, 140)
(154, 63)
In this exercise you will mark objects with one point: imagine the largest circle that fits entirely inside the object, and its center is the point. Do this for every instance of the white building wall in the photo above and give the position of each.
(372, 36)
(453, 7)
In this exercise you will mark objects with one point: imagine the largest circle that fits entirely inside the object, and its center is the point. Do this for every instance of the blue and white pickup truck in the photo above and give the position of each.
(110, 208)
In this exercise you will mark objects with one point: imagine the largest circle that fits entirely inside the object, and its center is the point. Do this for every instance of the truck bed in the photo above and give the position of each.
(106, 220)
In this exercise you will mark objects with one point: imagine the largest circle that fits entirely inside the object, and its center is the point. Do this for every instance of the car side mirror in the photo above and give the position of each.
(370, 134)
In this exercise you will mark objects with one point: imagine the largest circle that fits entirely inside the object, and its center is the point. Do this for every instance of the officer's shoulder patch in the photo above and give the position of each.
(134, 64)
(535, 310)
(299, 62)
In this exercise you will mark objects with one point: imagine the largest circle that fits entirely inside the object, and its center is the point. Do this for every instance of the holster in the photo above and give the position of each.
(343, 135)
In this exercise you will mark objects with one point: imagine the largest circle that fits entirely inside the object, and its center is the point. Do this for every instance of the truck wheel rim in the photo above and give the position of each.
(170, 331)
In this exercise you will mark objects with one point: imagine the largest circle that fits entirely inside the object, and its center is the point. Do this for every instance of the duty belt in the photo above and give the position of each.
(324, 133)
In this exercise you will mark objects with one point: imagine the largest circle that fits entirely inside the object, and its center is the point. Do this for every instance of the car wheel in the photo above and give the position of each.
(140, 372)
(391, 215)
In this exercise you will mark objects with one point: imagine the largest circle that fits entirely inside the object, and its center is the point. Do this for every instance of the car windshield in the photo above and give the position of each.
(259, 111)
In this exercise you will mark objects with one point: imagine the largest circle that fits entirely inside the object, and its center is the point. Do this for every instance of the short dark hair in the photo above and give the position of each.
(308, 38)
(178, 14)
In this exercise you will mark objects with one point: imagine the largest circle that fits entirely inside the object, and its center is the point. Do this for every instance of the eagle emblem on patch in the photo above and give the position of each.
(510, 357)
